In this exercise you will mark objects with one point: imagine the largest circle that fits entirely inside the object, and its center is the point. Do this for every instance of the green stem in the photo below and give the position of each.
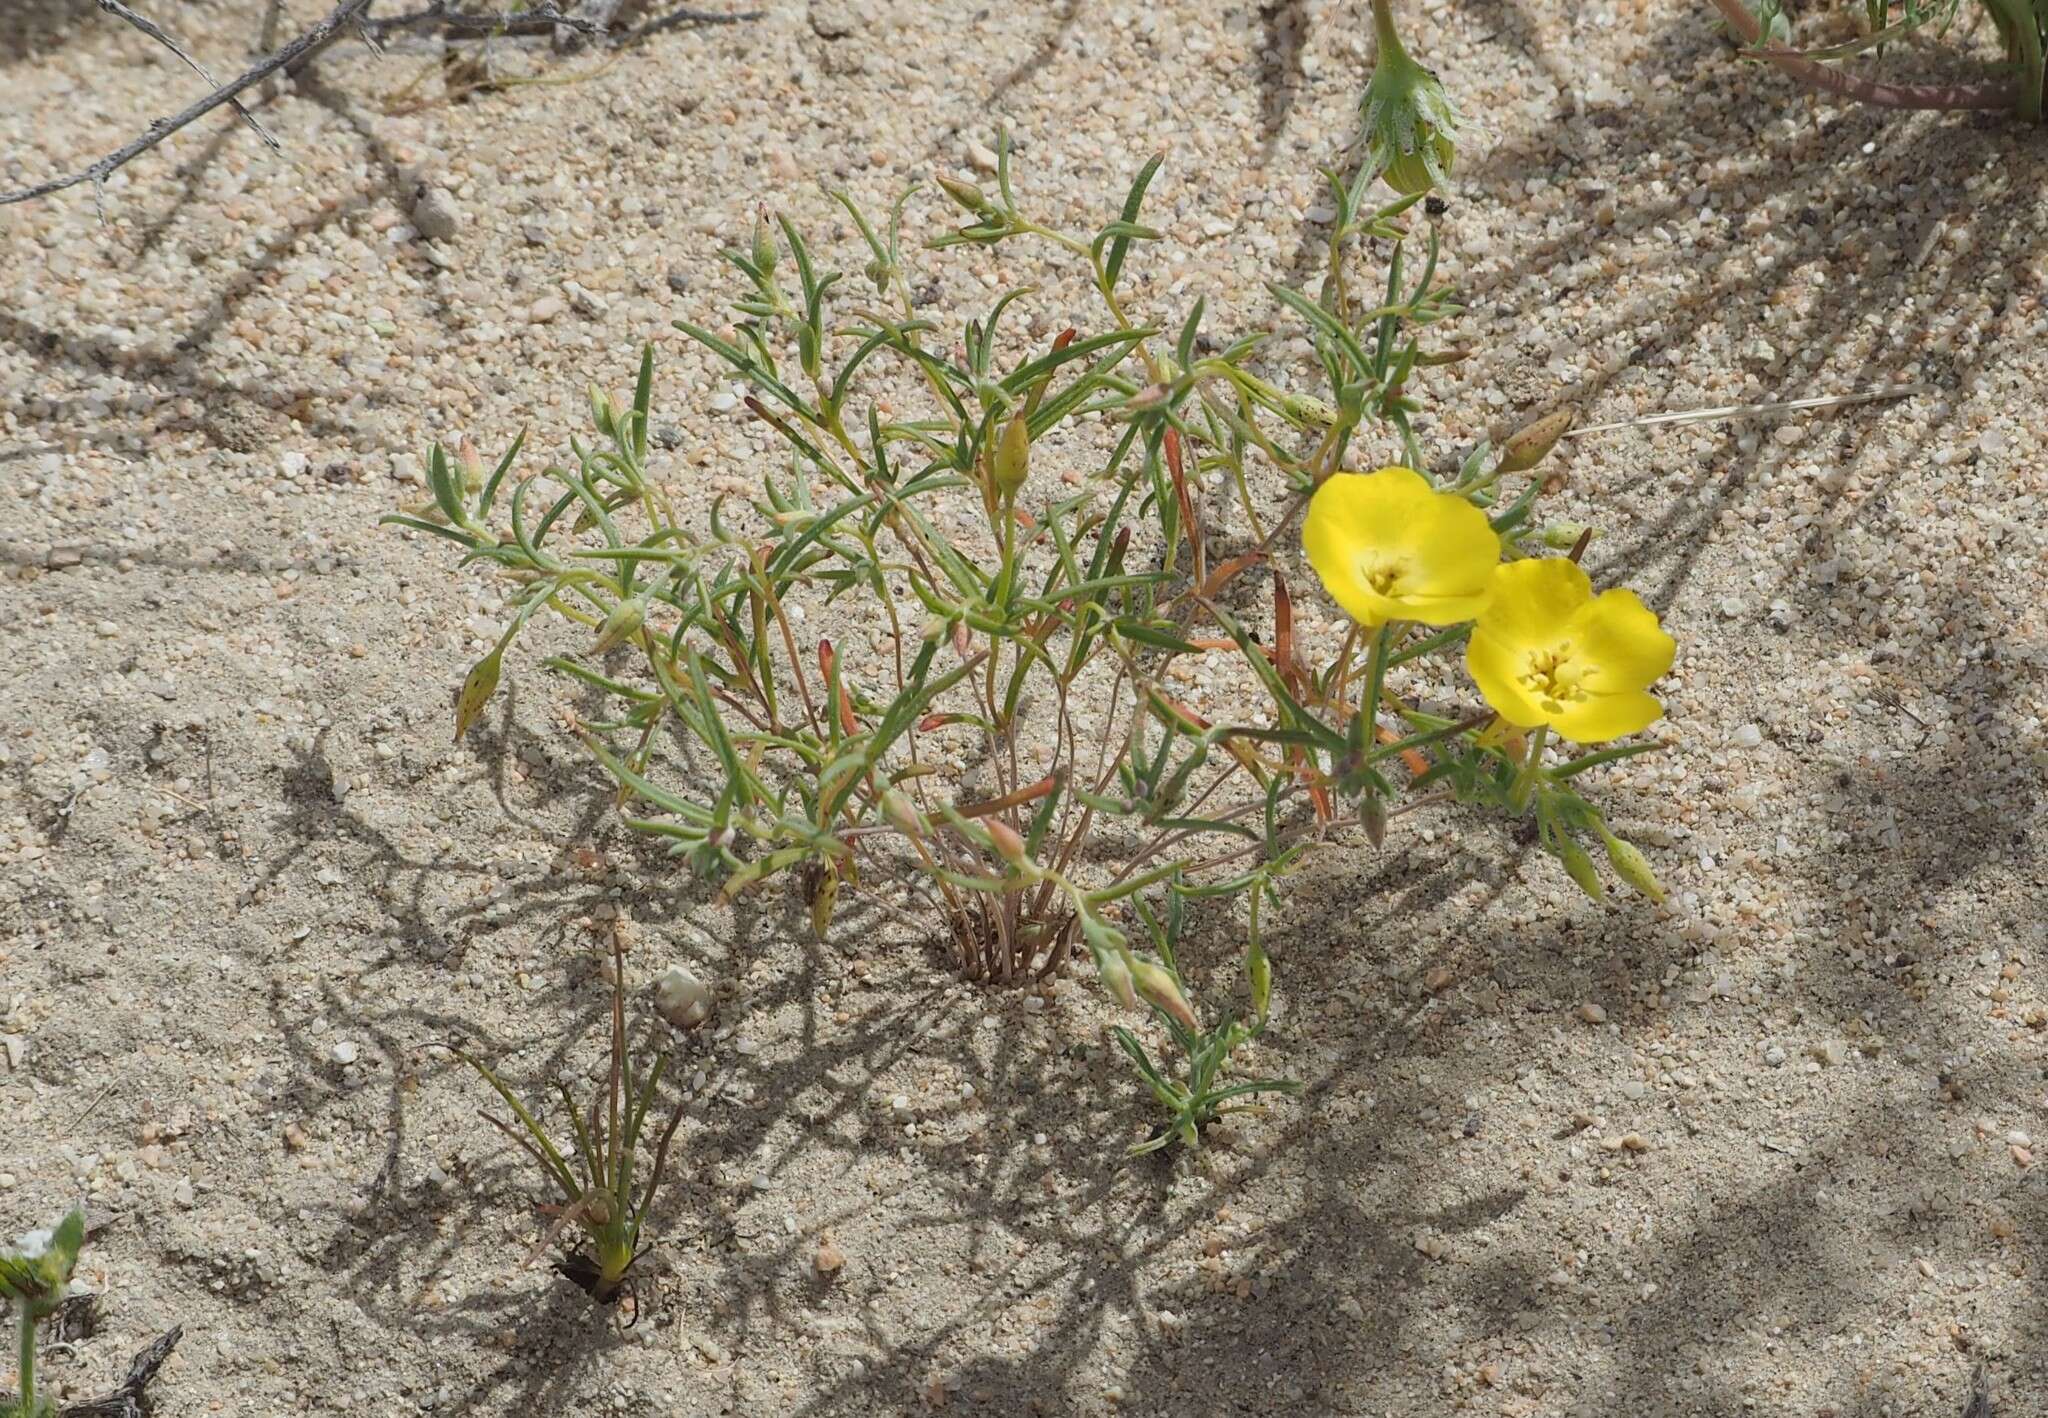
(1383, 31)
(1518, 795)
(27, 1324)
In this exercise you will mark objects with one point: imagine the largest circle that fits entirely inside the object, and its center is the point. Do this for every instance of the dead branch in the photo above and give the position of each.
(438, 15)
(311, 42)
(155, 32)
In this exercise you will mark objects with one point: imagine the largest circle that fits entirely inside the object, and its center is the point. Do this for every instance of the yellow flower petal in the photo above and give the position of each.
(1624, 647)
(1547, 651)
(1431, 554)
(1533, 600)
(1496, 667)
(1600, 717)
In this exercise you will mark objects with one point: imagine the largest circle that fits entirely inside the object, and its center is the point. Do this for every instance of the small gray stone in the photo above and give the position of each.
(435, 215)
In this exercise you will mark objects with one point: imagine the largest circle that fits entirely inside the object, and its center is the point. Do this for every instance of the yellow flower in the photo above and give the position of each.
(1388, 546)
(1548, 651)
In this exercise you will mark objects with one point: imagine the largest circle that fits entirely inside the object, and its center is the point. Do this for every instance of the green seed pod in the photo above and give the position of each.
(966, 195)
(1563, 536)
(1578, 864)
(1259, 970)
(1632, 866)
(618, 627)
(1409, 128)
(1013, 457)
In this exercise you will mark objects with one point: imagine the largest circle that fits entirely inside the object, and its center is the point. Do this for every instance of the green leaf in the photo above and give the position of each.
(1113, 265)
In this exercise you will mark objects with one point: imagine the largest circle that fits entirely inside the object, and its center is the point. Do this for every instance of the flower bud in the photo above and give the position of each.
(1115, 970)
(1632, 866)
(619, 626)
(764, 248)
(1112, 959)
(1578, 864)
(1157, 985)
(1006, 841)
(681, 998)
(1013, 456)
(965, 195)
(1563, 536)
(900, 814)
(1531, 443)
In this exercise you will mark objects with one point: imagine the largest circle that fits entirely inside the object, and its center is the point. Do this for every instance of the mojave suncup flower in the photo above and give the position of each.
(1547, 651)
(1389, 546)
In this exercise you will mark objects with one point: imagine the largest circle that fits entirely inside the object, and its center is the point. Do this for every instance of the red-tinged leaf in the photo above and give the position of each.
(825, 659)
(1283, 635)
(936, 721)
(1417, 764)
(1065, 338)
(1221, 576)
(1179, 710)
(1029, 793)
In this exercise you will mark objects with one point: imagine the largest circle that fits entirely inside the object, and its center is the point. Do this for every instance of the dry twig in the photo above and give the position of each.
(546, 15)
(309, 43)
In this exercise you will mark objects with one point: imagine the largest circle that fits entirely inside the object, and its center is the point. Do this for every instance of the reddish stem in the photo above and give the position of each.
(1828, 79)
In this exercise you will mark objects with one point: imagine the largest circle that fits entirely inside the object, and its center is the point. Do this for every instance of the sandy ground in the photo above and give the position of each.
(237, 848)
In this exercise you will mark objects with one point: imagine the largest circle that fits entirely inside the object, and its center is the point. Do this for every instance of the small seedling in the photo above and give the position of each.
(1203, 1093)
(601, 1195)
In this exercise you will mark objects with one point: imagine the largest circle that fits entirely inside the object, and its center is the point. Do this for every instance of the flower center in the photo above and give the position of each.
(1553, 678)
(1384, 577)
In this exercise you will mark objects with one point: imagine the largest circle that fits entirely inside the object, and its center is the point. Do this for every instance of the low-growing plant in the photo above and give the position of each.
(35, 1275)
(1017, 552)
(602, 1195)
(1202, 1093)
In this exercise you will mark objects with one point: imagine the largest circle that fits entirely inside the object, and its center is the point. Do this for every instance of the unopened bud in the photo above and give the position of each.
(1112, 959)
(603, 411)
(1115, 971)
(625, 619)
(1157, 985)
(764, 248)
(1632, 866)
(1006, 841)
(1578, 865)
(1372, 816)
(900, 814)
(1013, 456)
(965, 194)
(1259, 972)
(1531, 443)
(1563, 536)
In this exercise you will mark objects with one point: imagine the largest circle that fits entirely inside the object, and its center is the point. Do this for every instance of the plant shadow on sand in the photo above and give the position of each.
(1069, 1251)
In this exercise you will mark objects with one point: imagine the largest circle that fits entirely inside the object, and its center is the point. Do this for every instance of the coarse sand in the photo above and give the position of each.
(1768, 1149)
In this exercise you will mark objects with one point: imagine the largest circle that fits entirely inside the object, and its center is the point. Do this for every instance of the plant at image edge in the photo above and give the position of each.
(35, 1274)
